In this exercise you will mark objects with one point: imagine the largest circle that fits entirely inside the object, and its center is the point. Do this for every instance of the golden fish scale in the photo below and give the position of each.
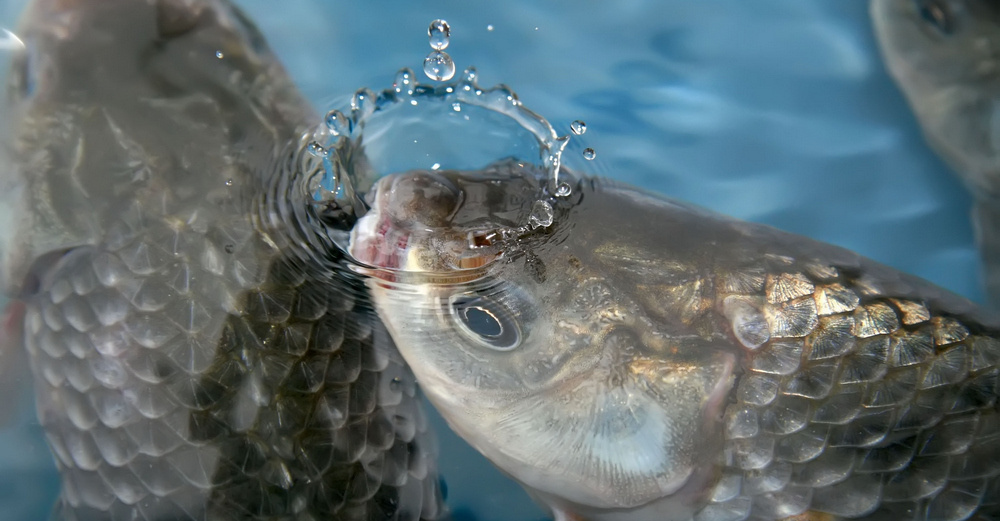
(858, 406)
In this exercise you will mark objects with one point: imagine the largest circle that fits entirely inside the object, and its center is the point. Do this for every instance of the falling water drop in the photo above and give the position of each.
(489, 27)
(578, 127)
(219, 55)
(439, 33)
(229, 182)
(439, 66)
(541, 215)
(563, 190)
(589, 154)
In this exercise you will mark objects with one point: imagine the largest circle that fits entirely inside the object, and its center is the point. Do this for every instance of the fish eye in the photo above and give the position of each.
(486, 321)
(937, 14)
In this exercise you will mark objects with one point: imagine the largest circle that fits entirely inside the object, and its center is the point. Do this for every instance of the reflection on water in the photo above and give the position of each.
(778, 112)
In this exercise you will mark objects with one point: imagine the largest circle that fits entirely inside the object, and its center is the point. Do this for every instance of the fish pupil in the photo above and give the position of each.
(489, 323)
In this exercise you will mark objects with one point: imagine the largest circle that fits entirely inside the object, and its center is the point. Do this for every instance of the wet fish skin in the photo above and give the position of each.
(198, 352)
(643, 359)
(945, 57)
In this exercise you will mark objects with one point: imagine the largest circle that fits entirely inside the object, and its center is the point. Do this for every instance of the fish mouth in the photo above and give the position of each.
(388, 247)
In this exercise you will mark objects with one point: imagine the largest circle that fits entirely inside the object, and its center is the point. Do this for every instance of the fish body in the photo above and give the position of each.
(945, 57)
(198, 353)
(642, 359)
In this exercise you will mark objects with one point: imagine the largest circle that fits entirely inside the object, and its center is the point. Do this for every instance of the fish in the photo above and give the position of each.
(198, 350)
(628, 357)
(945, 57)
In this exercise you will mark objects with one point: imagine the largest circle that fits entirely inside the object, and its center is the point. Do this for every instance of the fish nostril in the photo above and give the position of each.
(937, 14)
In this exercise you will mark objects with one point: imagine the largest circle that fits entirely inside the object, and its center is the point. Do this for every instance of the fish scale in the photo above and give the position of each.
(198, 352)
(889, 425)
(858, 405)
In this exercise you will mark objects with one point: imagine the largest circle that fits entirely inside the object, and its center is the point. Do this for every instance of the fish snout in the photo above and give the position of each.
(421, 198)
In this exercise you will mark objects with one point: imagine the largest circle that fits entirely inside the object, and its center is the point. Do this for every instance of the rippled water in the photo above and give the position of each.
(777, 111)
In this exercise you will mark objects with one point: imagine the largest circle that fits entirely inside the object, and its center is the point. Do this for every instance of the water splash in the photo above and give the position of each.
(414, 126)
(407, 127)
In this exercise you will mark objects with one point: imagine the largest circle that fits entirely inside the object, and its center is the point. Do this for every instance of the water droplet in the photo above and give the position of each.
(589, 154)
(470, 74)
(219, 55)
(395, 384)
(229, 182)
(439, 33)
(363, 103)
(229, 248)
(489, 27)
(403, 84)
(578, 127)
(439, 66)
(541, 215)
(337, 123)
(316, 149)
(563, 190)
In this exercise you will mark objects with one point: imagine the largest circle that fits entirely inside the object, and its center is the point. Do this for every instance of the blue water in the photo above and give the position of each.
(779, 112)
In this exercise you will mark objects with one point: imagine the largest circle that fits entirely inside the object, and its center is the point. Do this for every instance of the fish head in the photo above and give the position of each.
(945, 56)
(537, 352)
(119, 104)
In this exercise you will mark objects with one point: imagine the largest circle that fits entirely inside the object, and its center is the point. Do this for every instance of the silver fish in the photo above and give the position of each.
(626, 357)
(945, 57)
(198, 352)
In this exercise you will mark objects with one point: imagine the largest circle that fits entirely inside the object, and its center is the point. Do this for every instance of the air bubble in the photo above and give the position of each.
(337, 123)
(317, 150)
(439, 33)
(589, 154)
(578, 127)
(541, 215)
(439, 66)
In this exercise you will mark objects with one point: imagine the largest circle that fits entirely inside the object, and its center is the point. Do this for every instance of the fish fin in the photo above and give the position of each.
(13, 362)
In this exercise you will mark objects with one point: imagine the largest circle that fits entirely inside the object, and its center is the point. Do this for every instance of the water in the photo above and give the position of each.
(779, 112)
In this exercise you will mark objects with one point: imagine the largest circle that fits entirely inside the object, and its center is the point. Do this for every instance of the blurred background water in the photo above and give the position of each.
(775, 111)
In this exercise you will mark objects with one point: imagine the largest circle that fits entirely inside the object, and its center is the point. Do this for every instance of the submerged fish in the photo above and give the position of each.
(627, 357)
(197, 350)
(945, 56)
